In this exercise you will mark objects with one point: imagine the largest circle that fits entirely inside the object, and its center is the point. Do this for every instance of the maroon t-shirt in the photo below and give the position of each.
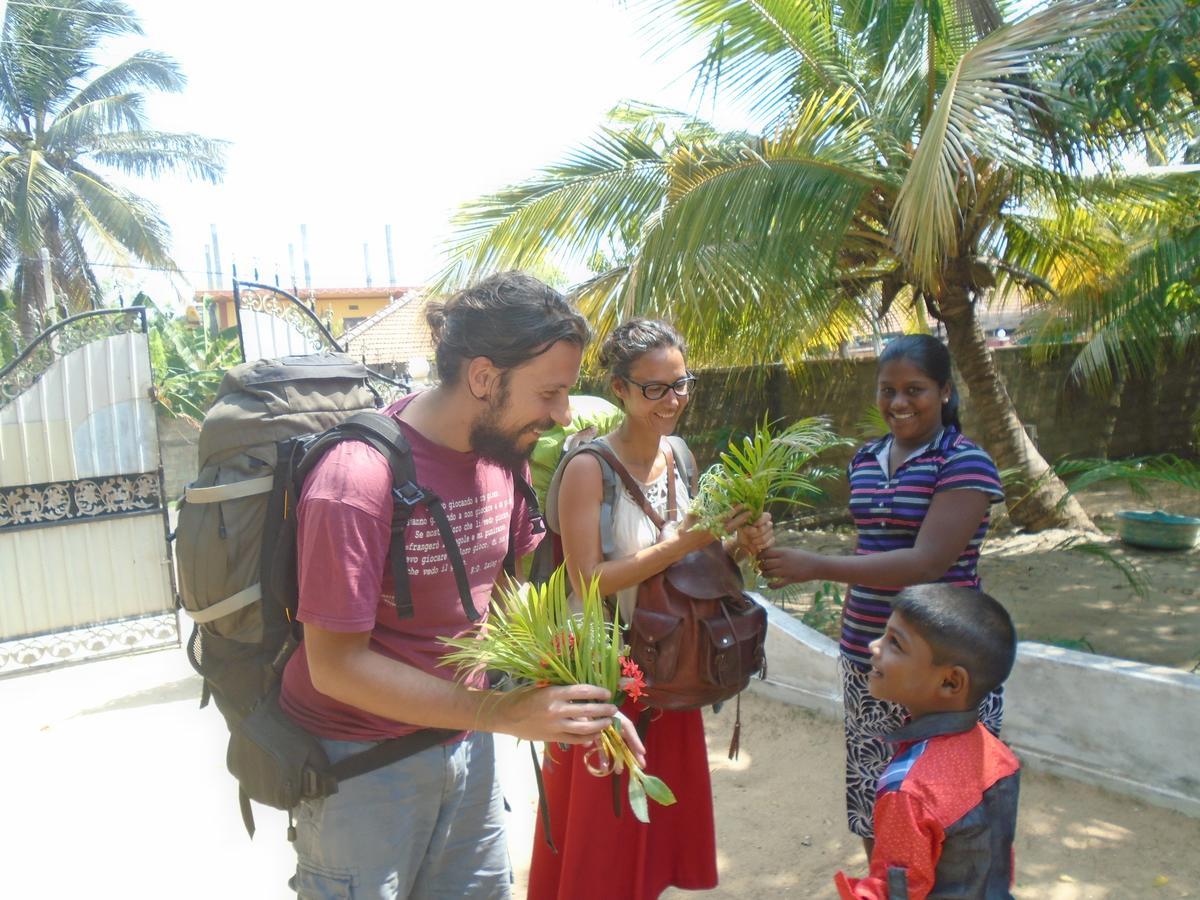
(345, 569)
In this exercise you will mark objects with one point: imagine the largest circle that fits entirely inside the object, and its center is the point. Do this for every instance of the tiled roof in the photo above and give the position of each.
(394, 335)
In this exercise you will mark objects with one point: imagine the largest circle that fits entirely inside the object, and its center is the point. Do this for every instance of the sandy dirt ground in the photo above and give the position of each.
(781, 828)
(781, 825)
(117, 780)
(780, 819)
(118, 783)
(1078, 598)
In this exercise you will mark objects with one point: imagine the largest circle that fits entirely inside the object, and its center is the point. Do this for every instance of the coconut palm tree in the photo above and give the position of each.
(1126, 271)
(66, 124)
(903, 141)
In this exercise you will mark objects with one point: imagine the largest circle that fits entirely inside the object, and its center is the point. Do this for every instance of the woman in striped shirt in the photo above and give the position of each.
(919, 497)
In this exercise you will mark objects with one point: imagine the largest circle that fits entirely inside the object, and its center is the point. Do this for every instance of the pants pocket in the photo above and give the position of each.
(311, 883)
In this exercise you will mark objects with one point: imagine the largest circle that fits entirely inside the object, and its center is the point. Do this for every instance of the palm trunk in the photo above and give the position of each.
(1042, 502)
(31, 300)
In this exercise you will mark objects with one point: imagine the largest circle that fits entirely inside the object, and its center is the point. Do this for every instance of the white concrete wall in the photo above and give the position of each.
(1128, 727)
(802, 665)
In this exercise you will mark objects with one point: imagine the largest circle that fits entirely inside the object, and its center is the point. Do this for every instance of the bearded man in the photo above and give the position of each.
(508, 350)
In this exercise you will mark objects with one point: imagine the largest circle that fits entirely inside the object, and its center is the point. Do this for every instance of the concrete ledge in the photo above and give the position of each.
(1131, 728)
(1125, 725)
(802, 665)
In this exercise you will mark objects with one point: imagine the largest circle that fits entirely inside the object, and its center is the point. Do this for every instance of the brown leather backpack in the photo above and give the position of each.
(695, 633)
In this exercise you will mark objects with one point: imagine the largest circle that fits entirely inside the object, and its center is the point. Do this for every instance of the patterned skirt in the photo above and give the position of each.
(867, 755)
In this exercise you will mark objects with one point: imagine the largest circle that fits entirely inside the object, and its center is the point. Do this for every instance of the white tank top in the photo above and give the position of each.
(632, 529)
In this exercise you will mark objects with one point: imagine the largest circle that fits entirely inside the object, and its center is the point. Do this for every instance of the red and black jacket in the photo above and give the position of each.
(945, 815)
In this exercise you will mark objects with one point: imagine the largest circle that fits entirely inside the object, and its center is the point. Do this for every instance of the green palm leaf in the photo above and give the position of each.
(770, 53)
(146, 69)
(989, 82)
(914, 158)
(64, 117)
(765, 468)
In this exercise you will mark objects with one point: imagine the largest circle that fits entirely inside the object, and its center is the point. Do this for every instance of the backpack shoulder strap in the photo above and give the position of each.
(537, 522)
(385, 435)
(608, 495)
(533, 508)
(685, 462)
(608, 500)
(635, 490)
(380, 431)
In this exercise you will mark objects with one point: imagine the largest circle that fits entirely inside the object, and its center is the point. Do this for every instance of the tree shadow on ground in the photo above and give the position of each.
(188, 688)
(1067, 597)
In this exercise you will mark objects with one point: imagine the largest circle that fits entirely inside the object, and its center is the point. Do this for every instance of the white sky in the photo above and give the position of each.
(350, 116)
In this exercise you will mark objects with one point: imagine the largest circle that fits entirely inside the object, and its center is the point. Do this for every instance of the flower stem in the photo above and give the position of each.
(615, 747)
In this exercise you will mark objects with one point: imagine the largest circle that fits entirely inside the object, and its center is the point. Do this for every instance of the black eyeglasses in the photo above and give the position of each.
(656, 390)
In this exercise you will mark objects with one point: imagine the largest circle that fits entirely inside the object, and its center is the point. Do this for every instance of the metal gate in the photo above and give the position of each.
(85, 565)
(273, 323)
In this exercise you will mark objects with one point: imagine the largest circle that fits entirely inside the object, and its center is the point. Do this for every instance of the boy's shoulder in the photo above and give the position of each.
(949, 772)
(976, 747)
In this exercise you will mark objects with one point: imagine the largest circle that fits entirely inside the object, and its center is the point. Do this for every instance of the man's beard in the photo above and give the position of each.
(503, 445)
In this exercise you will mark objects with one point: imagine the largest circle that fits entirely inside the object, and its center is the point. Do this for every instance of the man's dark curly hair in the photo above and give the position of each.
(509, 317)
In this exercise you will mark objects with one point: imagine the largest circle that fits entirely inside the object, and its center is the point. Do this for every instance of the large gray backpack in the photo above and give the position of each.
(236, 548)
(259, 407)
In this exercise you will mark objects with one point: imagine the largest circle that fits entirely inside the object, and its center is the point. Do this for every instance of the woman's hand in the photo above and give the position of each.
(789, 565)
(754, 538)
(737, 517)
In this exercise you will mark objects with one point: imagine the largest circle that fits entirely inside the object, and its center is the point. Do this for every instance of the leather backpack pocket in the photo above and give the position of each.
(735, 644)
(654, 643)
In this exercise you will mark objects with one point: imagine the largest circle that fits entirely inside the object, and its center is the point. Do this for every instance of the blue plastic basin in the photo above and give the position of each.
(1158, 530)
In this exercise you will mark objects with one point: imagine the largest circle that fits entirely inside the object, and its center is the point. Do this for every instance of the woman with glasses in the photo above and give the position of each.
(600, 854)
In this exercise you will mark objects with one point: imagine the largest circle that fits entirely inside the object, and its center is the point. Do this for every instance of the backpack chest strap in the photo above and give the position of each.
(385, 435)
(406, 497)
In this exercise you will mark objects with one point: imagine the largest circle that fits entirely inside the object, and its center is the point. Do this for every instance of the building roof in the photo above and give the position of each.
(394, 335)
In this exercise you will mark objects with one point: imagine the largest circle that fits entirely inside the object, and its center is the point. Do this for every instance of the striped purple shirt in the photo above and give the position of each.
(888, 513)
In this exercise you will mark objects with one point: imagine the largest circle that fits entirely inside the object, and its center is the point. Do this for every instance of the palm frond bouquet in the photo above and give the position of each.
(533, 636)
(766, 467)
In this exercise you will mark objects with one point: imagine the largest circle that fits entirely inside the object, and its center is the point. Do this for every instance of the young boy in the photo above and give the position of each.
(946, 806)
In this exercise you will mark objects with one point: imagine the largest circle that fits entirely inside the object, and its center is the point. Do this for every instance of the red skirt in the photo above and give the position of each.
(601, 855)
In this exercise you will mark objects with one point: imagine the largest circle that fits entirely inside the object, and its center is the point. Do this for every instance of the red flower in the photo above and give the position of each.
(562, 647)
(636, 689)
(635, 685)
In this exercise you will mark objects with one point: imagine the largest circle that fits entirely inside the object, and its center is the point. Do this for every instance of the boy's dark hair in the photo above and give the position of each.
(509, 317)
(963, 627)
(929, 355)
(634, 338)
